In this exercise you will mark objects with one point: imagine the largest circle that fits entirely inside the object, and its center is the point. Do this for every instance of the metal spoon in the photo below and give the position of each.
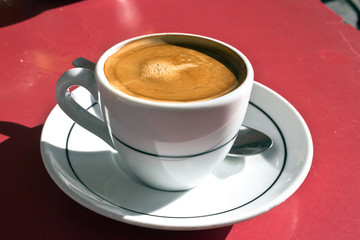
(248, 141)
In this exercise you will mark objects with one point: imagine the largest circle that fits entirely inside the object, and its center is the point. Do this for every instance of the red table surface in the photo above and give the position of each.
(300, 49)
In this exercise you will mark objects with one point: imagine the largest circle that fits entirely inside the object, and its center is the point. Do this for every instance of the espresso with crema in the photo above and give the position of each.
(156, 70)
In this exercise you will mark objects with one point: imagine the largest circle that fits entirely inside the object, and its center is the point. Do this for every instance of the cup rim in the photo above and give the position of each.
(231, 96)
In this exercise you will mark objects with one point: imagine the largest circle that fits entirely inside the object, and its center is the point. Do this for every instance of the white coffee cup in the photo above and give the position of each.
(167, 145)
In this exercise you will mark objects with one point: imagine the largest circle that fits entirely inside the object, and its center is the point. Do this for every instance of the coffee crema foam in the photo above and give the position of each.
(154, 70)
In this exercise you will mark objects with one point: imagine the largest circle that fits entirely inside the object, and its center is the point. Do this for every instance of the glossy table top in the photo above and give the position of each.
(300, 49)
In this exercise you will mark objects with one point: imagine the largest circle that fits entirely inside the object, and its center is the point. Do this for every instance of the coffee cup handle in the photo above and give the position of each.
(85, 78)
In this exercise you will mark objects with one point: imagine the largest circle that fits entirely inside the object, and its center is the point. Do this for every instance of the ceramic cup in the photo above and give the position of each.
(169, 146)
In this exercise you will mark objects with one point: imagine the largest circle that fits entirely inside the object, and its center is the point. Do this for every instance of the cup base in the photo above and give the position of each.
(171, 174)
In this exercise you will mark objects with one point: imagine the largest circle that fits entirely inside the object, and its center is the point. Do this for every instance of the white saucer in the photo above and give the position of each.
(91, 173)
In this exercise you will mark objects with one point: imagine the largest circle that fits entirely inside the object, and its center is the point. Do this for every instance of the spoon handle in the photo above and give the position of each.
(84, 63)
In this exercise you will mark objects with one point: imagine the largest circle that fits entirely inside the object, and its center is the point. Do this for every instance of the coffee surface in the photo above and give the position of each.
(154, 70)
